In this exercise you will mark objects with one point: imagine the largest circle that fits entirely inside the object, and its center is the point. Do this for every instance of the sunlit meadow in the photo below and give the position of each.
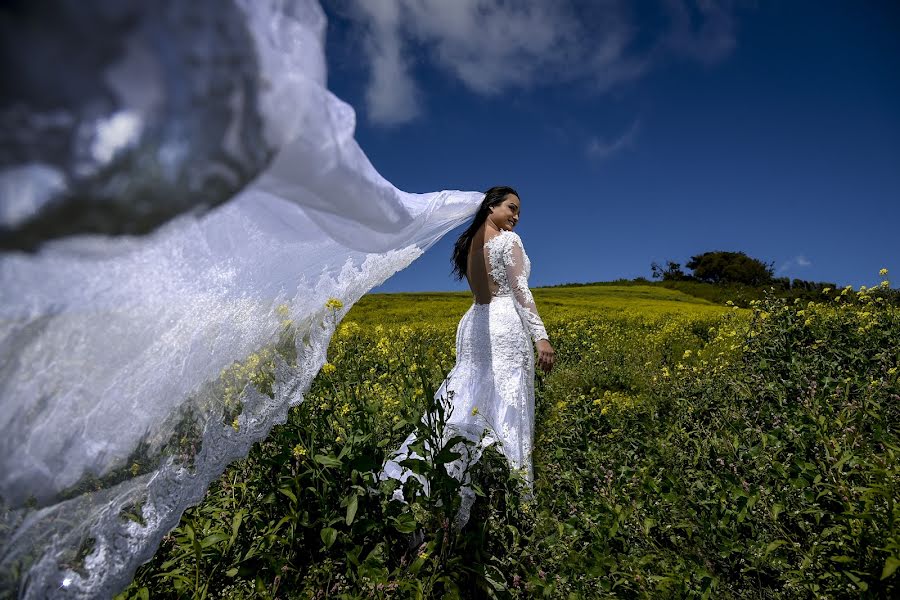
(683, 449)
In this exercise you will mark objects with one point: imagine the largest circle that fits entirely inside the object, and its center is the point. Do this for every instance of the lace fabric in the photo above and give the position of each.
(510, 268)
(491, 386)
(117, 354)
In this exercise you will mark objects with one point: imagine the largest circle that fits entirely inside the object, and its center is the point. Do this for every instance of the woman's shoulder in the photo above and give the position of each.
(501, 245)
(507, 238)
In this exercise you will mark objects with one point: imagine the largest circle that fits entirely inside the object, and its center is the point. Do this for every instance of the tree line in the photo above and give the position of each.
(732, 268)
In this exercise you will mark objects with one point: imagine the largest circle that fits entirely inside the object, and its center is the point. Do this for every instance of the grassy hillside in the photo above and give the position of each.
(556, 303)
(683, 449)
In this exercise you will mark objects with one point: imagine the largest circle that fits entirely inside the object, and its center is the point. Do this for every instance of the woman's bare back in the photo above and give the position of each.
(478, 266)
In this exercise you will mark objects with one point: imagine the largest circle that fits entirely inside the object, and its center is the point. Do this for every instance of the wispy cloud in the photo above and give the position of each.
(391, 96)
(702, 30)
(492, 46)
(600, 149)
(792, 264)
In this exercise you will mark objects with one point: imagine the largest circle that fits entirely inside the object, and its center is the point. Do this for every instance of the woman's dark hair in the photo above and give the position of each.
(492, 197)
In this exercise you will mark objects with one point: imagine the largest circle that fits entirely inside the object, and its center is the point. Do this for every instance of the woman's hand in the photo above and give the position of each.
(546, 355)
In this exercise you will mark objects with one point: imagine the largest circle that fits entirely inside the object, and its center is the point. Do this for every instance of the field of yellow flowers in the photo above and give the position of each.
(683, 449)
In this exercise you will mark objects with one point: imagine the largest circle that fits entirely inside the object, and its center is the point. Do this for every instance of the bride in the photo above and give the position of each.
(491, 387)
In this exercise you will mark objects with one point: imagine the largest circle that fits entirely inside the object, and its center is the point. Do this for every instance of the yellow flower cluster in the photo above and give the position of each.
(334, 304)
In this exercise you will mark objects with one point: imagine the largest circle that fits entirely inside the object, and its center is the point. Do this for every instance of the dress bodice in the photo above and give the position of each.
(509, 269)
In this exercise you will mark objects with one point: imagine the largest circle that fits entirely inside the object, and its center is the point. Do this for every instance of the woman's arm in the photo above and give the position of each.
(518, 283)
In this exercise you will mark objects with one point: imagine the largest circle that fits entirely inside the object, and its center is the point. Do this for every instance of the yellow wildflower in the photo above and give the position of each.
(475, 411)
(349, 328)
(235, 425)
(299, 451)
(334, 304)
(883, 272)
(328, 368)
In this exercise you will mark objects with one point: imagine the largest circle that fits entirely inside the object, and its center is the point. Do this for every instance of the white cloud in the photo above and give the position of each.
(792, 264)
(392, 95)
(493, 47)
(707, 37)
(600, 149)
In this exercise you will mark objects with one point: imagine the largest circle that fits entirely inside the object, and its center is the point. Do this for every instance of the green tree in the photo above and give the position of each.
(730, 267)
(672, 272)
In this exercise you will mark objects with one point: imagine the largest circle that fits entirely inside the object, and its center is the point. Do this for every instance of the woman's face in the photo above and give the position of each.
(506, 214)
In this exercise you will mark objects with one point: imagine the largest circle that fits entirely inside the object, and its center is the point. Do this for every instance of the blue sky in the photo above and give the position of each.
(639, 135)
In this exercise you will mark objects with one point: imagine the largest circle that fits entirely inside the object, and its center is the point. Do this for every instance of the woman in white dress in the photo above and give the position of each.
(491, 387)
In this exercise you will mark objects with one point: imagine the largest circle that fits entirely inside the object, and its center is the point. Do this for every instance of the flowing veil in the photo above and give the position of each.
(121, 396)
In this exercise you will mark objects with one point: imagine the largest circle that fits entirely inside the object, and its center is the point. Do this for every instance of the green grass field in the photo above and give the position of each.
(601, 301)
(683, 449)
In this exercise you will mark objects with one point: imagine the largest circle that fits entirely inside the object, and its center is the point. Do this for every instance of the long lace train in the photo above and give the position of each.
(116, 352)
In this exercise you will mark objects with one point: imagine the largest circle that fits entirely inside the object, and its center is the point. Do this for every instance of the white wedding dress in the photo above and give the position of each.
(491, 387)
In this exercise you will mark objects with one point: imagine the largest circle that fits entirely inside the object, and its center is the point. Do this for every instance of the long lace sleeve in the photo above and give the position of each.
(518, 267)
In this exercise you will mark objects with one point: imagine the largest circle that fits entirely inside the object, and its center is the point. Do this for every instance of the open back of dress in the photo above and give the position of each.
(478, 274)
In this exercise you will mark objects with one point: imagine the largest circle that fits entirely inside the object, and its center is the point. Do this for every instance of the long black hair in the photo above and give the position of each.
(492, 197)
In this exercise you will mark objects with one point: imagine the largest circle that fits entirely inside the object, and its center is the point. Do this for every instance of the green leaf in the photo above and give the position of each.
(213, 539)
(231, 572)
(445, 456)
(329, 535)
(774, 545)
(458, 439)
(351, 508)
(287, 492)
(235, 526)
(327, 461)
(496, 582)
(143, 594)
(776, 510)
(416, 465)
(859, 582)
(416, 565)
(405, 523)
(890, 565)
